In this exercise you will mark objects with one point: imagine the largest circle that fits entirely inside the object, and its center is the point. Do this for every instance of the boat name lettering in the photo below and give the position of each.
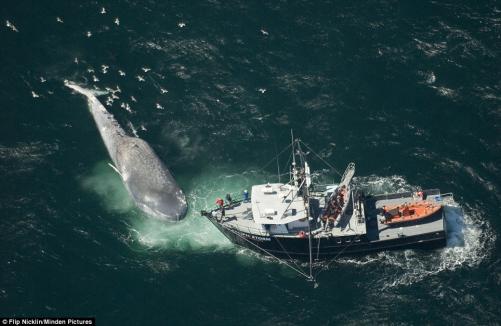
(253, 237)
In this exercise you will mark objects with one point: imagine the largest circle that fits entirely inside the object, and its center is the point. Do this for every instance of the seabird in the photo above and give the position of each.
(35, 95)
(42, 80)
(103, 11)
(140, 78)
(265, 33)
(181, 24)
(146, 69)
(104, 68)
(262, 90)
(158, 106)
(121, 73)
(89, 34)
(131, 126)
(127, 108)
(163, 90)
(11, 26)
(133, 99)
(59, 20)
(95, 79)
(117, 21)
(109, 101)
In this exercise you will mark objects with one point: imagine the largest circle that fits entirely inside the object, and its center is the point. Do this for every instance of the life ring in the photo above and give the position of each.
(301, 234)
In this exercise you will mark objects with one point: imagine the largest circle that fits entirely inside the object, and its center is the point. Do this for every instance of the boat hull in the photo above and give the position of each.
(328, 247)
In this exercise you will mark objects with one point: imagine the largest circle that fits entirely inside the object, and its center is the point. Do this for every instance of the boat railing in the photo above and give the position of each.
(348, 174)
(234, 201)
(447, 197)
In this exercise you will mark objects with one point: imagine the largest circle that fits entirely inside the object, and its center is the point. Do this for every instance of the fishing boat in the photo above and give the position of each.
(304, 220)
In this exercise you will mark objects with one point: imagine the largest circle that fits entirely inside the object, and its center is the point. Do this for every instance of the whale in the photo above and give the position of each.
(146, 178)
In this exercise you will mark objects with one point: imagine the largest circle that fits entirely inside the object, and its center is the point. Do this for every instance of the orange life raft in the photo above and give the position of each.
(409, 212)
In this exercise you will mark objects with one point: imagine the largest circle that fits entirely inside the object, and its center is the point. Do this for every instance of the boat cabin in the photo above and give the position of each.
(279, 208)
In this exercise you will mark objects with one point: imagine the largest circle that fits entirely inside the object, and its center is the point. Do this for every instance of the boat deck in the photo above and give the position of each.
(378, 231)
(239, 216)
(363, 220)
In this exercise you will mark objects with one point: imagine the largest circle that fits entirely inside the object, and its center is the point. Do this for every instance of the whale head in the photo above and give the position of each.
(166, 206)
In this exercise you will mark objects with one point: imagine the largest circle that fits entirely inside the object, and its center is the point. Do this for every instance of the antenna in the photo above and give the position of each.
(294, 169)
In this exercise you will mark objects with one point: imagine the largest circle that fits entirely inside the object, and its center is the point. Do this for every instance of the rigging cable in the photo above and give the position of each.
(285, 250)
(269, 253)
(327, 163)
(333, 259)
(275, 157)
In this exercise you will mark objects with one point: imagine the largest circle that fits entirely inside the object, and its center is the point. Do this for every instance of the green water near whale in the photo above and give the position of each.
(409, 91)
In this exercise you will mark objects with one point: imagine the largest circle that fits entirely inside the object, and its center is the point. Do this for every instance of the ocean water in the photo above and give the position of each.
(410, 91)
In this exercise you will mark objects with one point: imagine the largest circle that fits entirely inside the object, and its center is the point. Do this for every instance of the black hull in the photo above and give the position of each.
(329, 247)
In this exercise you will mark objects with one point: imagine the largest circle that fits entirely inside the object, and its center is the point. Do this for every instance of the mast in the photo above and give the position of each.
(306, 195)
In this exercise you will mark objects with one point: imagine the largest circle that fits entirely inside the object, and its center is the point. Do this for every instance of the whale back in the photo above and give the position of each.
(148, 180)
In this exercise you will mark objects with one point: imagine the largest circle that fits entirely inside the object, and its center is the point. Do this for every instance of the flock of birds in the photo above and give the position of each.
(112, 93)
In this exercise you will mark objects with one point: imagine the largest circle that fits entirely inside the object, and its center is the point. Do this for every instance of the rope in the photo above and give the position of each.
(327, 163)
(269, 253)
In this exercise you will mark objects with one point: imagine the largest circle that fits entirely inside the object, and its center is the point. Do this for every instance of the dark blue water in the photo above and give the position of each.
(410, 91)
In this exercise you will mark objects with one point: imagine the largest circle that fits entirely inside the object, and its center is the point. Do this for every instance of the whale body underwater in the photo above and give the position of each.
(148, 181)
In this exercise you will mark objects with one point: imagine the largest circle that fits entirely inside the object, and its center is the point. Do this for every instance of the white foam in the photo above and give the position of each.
(107, 184)
(194, 233)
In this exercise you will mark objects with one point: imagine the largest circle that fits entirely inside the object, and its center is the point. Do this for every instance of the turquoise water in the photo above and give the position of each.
(409, 91)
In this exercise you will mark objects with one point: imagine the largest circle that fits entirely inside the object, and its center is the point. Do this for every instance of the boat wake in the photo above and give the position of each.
(470, 240)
